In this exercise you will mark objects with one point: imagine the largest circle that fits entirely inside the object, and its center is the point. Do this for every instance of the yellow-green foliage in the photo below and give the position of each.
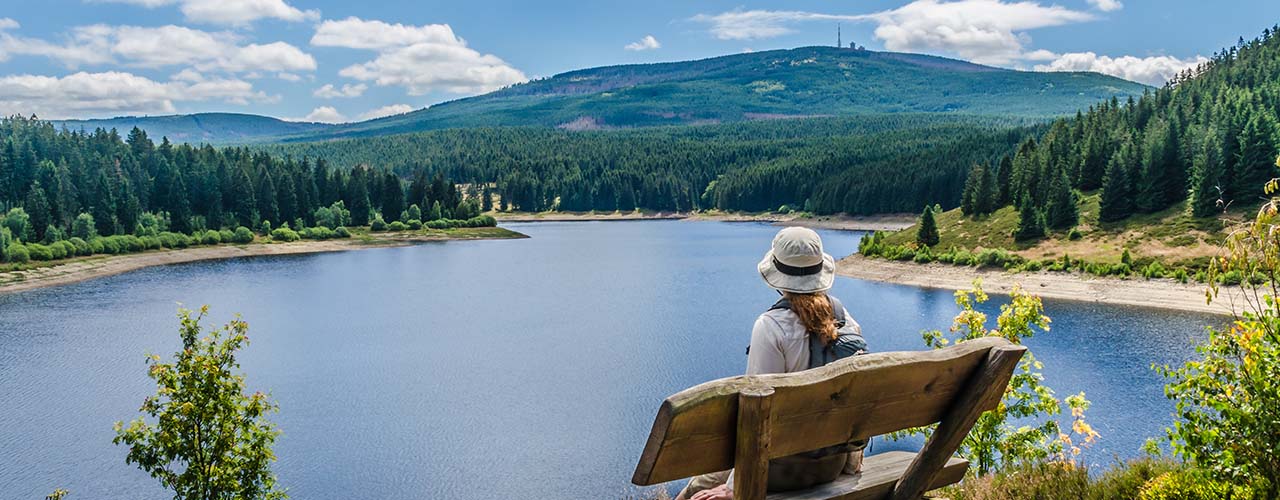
(1192, 485)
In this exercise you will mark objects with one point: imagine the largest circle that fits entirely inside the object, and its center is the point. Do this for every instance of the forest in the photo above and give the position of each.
(66, 193)
(863, 164)
(1207, 139)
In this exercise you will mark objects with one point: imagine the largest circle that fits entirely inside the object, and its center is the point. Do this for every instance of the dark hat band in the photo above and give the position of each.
(797, 271)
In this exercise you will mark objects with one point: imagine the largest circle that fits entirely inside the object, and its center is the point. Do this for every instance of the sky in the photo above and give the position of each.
(343, 60)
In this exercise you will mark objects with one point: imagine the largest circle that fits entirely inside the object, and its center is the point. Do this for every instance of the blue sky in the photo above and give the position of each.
(334, 61)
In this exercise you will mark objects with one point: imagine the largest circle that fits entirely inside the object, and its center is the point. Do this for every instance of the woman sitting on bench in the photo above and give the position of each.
(805, 329)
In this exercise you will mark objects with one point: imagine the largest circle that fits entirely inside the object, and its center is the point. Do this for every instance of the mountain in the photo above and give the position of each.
(802, 82)
(201, 127)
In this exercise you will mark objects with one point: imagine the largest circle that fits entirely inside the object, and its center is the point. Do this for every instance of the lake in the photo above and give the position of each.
(487, 369)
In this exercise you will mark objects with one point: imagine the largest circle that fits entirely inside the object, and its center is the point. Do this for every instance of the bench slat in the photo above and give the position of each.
(694, 432)
(880, 473)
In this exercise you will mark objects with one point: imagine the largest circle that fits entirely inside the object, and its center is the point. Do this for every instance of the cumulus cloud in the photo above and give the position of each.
(394, 109)
(1106, 5)
(1154, 70)
(420, 58)
(154, 47)
(230, 12)
(646, 43)
(328, 91)
(113, 93)
(984, 31)
(322, 114)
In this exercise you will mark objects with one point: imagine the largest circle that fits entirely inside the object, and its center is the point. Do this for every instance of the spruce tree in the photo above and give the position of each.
(1003, 177)
(266, 194)
(968, 196)
(987, 199)
(1255, 163)
(37, 206)
(104, 207)
(1062, 211)
(392, 195)
(1030, 221)
(927, 233)
(243, 202)
(1117, 195)
(1206, 191)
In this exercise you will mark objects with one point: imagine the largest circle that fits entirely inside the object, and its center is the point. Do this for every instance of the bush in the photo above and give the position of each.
(414, 224)
(57, 251)
(132, 243)
(151, 242)
(341, 232)
(82, 247)
(39, 252)
(226, 235)
(18, 253)
(397, 226)
(317, 233)
(96, 246)
(1190, 484)
(1153, 270)
(242, 235)
(83, 227)
(1074, 234)
(211, 237)
(283, 233)
(68, 248)
(377, 224)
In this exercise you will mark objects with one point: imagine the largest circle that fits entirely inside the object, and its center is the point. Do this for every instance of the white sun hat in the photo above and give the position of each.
(797, 264)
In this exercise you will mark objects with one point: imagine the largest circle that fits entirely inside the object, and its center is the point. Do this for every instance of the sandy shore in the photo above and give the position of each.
(890, 222)
(1164, 294)
(85, 268)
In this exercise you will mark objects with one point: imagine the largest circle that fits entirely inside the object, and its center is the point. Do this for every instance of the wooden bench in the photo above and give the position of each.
(742, 422)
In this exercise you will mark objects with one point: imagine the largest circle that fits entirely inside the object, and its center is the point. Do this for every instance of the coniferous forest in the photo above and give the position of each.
(69, 193)
(1208, 138)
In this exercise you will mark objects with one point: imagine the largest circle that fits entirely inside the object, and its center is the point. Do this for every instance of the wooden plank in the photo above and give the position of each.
(876, 481)
(751, 455)
(984, 391)
(695, 430)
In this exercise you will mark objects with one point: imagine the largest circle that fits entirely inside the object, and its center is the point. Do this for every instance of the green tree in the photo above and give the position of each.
(415, 213)
(392, 196)
(1117, 188)
(1207, 177)
(1031, 222)
(6, 239)
(927, 233)
(37, 205)
(83, 227)
(1255, 160)
(1062, 211)
(969, 196)
(19, 223)
(434, 213)
(209, 440)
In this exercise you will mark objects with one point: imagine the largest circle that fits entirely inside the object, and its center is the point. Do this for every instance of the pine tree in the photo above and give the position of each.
(392, 195)
(1003, 179)
(927, 234)
(244, 205)
(104, 207)
(987, 199)
(1030, 221)
(1255, 163)
(357, 198)
(266, 194)
(1117, 194)
(969, 195)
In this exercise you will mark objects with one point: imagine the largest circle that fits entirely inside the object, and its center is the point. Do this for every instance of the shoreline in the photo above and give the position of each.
(1159, 294)
(887, 222)
(100, 266)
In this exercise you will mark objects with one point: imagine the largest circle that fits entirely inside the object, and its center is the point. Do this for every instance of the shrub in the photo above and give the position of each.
(397, 226)
(243, 235)
(68, 248)
(283, 233)
(317, 233)
(83, 227)
(1191, 484)
(18, 253)
(1153, 270)
(377, 224)
(39, 252)
(82, 247)
(226, 235)
(414, 224)
(342, 232)
(110, 245)
(265, 228)
(97, 246)
(132, 243)
(1074, 234)
(151, 242)
(923, 257)
(56, 251)
(211, 237)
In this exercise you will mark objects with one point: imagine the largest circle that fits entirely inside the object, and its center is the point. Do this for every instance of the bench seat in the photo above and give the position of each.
(876, 481)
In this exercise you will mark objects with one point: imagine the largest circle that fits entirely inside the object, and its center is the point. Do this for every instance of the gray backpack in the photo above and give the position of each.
(846, 344)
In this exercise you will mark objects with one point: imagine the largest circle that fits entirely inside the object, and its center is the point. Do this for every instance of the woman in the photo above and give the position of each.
(801, 272)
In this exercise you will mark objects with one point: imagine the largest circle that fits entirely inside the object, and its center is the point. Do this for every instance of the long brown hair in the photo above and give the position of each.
(814, 310)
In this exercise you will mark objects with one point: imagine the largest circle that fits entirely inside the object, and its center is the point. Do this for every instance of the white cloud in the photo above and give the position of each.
(1154, 70)
(420, 58)
(356, 33)
(8, 24)
(646, 43)
(113, 93)
(154, 47)
(322, 114)
(394, 109)
(289, 77)
(985, 31)
(230, 12)
(328, 91)
(1106, 5)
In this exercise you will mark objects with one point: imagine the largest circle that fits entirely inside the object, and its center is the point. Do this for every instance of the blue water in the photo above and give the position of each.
(487, 369)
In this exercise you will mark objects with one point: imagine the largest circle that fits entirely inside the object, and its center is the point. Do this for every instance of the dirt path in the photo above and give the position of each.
(1164, 294)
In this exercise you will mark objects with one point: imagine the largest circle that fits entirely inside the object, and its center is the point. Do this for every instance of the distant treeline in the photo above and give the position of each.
(864, 164)
(1209, 137)
(55, 184)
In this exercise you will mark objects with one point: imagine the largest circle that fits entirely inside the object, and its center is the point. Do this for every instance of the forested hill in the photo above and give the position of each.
(808, 81)
(213, 128)
(1205, 142)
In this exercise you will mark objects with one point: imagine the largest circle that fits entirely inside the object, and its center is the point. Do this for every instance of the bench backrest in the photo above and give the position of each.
(695, 431)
